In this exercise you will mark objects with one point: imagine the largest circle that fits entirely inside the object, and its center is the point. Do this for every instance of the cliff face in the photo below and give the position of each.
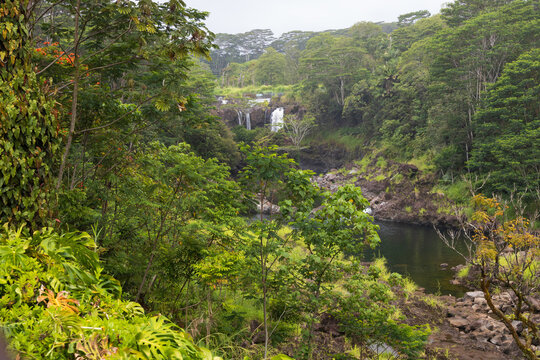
(259, 116)
(256, 111)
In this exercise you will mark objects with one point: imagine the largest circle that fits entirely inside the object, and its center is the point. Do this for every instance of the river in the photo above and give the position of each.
(418, 252)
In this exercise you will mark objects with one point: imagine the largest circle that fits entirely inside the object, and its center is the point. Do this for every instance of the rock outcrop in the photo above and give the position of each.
(473, 318)
(396, 192)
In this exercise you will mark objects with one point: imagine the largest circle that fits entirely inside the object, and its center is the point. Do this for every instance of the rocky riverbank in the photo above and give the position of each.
(474, 320)
(396, 192)
(464, 328)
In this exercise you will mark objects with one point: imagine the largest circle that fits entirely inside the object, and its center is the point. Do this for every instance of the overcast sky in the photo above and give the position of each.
(237, 16)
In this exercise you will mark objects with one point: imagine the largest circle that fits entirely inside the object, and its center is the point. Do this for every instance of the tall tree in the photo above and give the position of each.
(270, 68)
(121, 50)
(459, 11)
(508, 127)
(329, 67)
(412, 17)
(469, 58)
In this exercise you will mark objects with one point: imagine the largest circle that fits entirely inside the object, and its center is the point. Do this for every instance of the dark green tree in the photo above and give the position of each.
(467, 59)
(508, 128)
(270, 68)
(459, 11)
(412, 17)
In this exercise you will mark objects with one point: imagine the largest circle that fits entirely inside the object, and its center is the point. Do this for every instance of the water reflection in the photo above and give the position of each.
(418, 252)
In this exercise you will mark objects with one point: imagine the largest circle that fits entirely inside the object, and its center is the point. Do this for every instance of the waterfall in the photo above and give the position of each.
(277, 119)
(239, 117)
(248, 121)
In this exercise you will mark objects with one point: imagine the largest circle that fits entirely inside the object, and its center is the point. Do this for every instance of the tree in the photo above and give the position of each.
(29, 133)
(469, 58)
(507, 253)
(121, 50)
(270, 68)
(337, 227)
(169, 197)
(508, 127)
(404, 37)
(297, 127)
(367, 315)
(263, 174)
(372, 38)
(459, 11)
(329, 67)
(412, 17)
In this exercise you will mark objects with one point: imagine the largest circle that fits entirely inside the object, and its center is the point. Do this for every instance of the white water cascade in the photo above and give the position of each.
(248, 121)
(239, 117)
(277, 119)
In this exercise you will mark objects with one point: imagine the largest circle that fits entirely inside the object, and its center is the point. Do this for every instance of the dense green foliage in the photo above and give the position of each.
(169, 196)
(28, 124)
(425, 88)
(509, 129)
(56, 303)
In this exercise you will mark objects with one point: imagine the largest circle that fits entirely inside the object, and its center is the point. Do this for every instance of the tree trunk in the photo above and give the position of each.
(342, 91)
(209, 318)
(74, 99)
(529, 354)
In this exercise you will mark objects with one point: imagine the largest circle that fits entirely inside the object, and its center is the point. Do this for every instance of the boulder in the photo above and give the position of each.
(482, 335)
(477, 308)
(480, 301)
(452, 311)
(499, 339)
(471, 295)
(477, 324)
(535, 303)
(458, 322)
(518, 325)
(503, 298)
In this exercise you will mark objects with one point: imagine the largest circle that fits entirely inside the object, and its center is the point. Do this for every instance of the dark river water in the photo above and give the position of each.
(418, 252)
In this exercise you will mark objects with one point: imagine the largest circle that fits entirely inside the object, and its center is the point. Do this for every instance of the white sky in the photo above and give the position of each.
(237, 16)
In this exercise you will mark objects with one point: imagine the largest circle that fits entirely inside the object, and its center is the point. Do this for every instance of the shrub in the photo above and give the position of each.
(55, 302)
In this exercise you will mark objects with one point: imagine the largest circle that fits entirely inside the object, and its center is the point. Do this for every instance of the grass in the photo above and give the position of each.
(341, 137)
(529, 271)
(408, 209)
(463, 273)
(423, 163)
(432, 301)
(363, 163)
(382, 163)
(252, 89)
(458, 192)
(380, 264)
(409, 287)
(396, 179)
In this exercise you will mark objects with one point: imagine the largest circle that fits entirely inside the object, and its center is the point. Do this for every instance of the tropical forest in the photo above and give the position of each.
(172, 192)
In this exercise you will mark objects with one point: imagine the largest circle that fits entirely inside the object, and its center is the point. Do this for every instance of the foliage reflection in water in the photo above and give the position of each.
(418, 252)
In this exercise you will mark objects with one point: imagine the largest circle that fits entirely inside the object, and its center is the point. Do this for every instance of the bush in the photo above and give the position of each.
(55, 302)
